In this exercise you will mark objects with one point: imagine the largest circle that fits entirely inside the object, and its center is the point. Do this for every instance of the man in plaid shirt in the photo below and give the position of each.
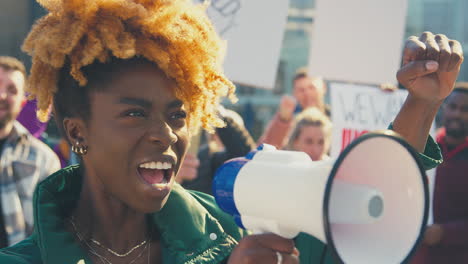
(24, 160)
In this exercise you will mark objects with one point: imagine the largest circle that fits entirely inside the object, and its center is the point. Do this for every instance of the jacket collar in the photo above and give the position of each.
(17, 133)
(187, 228)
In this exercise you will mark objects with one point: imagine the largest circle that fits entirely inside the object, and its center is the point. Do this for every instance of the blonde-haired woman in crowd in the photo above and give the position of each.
(311, 134)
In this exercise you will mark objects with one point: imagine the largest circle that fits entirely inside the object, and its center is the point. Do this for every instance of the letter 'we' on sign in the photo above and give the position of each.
(254, 32)
(357, 109)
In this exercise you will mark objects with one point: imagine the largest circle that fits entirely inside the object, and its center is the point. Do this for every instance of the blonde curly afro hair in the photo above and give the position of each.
(175, 34)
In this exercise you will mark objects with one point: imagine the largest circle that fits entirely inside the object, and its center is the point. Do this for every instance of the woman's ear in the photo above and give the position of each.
(75, 130)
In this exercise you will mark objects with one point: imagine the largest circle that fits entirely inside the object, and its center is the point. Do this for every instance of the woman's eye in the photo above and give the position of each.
(179, 115)
(12, 90)
(135, 113)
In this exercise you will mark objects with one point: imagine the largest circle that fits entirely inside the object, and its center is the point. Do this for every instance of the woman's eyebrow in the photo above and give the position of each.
(175, 104)
(135, 101)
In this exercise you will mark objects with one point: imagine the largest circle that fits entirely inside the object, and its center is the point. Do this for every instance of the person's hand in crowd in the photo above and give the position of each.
(433, 235)
(264, 249)
(431, 64)
(287, 107)
(188, 169)
(388, 87)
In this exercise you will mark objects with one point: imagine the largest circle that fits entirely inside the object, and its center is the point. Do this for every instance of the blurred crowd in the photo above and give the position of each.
(301, 123)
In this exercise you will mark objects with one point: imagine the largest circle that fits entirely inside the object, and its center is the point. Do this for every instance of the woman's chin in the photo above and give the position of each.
(150, 207)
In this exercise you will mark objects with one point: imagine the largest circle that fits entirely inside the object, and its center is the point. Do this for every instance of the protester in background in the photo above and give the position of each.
(230, 141)
(308, 92)
(311, 134)
(24, 160)
(446, 241)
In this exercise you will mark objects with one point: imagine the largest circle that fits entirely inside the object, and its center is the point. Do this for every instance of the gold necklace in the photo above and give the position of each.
(112, 251)
(118, 254)
(102, 258)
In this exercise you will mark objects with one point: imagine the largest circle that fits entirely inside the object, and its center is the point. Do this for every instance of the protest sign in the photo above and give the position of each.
(357, 109)
(254, 33)
(357, 40)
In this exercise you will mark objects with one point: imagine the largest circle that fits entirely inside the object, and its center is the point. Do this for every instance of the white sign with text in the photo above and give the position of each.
(358, 40)
(254, 32)
(357, 109)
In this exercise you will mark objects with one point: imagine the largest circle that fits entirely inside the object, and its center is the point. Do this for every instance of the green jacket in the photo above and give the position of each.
(186, 223)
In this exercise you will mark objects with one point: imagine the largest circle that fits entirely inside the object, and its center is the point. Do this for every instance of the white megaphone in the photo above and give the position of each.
(370, 205)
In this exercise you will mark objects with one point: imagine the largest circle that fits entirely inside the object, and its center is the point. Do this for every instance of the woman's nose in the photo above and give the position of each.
(163, 134)
(3, 94)
(316, 151)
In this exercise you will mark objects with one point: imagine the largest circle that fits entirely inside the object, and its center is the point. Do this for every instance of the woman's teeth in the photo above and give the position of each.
(156, 173)
(156, 165)
(161, 184)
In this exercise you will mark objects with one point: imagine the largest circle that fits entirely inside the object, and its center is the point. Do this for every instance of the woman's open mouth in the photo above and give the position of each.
(156, 173)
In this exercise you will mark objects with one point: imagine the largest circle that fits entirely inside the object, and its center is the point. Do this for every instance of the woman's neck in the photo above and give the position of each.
(104, 218)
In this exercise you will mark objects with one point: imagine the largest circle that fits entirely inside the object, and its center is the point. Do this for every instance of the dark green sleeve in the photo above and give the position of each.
(24, 252)
(225, 219)
(313, 250)
(432, 156)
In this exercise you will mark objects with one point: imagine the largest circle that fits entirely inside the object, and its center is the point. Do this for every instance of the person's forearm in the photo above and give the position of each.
(276, 132)
(414, 121)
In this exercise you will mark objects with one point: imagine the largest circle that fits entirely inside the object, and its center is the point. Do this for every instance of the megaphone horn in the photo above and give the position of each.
(370, 205)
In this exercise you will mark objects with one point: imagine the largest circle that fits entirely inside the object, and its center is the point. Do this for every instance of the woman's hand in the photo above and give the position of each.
(264, 249)
(431, 64)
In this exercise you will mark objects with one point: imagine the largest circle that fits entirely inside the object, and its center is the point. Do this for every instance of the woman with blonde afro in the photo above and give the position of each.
(128, 82)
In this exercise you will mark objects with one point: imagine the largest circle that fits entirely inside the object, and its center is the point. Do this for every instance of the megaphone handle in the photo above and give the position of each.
(260, 225)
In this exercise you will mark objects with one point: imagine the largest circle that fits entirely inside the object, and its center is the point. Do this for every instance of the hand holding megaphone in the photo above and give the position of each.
(370, 205)
(264, 248)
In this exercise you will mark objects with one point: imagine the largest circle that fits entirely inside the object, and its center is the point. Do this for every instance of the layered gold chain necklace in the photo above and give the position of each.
(145, 243)
(115, 253)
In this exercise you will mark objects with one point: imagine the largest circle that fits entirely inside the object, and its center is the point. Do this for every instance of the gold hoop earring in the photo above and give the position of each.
(80, 150)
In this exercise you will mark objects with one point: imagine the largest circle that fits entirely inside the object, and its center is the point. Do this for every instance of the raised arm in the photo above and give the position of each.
(430, 67)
